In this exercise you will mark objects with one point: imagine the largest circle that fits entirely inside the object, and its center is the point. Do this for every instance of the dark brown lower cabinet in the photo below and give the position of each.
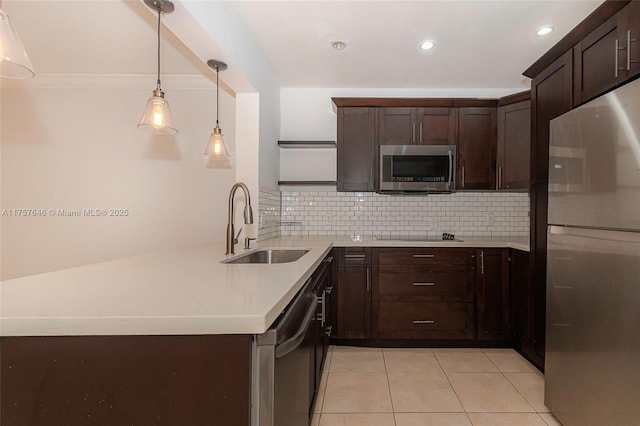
(492, 272)
(423, 293)
(126, 380)
(519, 280)
(353, 305)
(423, 296)
(425, 320)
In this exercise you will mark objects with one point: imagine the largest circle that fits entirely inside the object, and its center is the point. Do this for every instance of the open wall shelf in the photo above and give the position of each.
(308, 182)
(307, 144)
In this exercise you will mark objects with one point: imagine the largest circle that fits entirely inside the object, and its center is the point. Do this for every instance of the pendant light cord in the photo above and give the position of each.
(158, 82)
(217, 92)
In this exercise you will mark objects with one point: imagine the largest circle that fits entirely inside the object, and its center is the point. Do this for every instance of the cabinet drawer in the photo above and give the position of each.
(354, 256)
(425, 256)
(432, 320)
(436, 283)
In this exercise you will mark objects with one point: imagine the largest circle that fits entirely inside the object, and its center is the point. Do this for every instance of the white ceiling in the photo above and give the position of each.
(480, 44)
(97, 37)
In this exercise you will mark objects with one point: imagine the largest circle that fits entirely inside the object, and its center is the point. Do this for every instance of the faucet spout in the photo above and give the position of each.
(248, 215)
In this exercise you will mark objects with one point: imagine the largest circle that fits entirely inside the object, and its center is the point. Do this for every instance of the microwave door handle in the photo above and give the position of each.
(450, 168)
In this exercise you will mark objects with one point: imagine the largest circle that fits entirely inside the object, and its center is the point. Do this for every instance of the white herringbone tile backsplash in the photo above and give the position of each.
(309, 213)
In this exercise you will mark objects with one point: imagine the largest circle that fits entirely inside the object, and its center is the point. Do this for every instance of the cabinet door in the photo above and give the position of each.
(538, 290)
(435, 126)
(493, 294)
(353, 305)
(599, 62)
(632, 16)
(397, 126)
(514, 145)
(519, 283)
(477, 148)
(551, 96)
(356, 149)
(354, 302)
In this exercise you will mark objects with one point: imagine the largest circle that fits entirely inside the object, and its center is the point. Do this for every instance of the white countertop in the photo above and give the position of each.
(185, 291)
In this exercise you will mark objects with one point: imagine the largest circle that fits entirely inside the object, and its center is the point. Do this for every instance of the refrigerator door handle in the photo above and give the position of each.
(598, 234)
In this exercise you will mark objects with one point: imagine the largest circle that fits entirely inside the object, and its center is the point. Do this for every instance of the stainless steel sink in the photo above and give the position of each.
(269, 256)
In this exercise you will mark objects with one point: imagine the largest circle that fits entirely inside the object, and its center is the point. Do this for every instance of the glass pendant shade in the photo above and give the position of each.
(217, 147)
(14, 62)
(157, 115)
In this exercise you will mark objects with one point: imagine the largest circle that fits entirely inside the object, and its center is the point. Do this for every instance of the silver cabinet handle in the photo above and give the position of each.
(482, 262)
(321, 302)
(450, 168)
(424, 322)
(329, 289)
(420, 140)
(423, 284)
(329, 259)
(329, 330)
(628, 50)
(355, 256)
(463, 176)
(616, 58)
(368, 280)
(419, 256)
(629, 41)
(413, 130)
(499, 177)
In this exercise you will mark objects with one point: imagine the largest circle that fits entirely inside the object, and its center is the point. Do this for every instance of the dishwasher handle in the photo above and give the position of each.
(292, 343)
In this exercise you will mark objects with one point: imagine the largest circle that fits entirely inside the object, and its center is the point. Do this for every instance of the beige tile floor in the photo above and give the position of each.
(430, 387)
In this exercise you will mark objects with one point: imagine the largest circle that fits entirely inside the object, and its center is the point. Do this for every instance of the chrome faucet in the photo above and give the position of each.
(248, 216)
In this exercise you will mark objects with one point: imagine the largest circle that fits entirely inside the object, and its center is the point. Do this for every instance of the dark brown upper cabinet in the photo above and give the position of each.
(421, 126)
(514, 144)
(357, 153)
(366, 123)
(477, 148)
(551, 96)
(608, 56)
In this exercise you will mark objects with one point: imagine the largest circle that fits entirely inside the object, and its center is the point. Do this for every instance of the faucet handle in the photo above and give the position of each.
(247, 242)
(235, 240)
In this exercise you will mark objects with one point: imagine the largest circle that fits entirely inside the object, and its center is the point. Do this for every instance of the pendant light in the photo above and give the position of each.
(217, 146)
(14, 62)
(157, 115)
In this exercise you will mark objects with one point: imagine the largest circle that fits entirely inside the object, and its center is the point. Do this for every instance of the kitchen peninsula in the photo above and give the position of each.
(123, 341)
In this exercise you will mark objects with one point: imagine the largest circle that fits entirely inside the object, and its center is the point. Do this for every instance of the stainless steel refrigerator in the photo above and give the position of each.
(592, 362)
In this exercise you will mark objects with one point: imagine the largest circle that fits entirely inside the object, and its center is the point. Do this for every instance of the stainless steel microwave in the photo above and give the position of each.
(417, 168)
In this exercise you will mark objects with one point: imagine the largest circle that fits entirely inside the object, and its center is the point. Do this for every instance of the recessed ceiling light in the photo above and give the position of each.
(543, 31)
(427, 45)
(339, 45)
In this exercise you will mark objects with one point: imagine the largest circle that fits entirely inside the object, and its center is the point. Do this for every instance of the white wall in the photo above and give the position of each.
(308, 114)
(70, 145)
(208, 27)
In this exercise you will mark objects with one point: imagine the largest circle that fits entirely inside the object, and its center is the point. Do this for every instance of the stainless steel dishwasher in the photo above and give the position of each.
(284, 366)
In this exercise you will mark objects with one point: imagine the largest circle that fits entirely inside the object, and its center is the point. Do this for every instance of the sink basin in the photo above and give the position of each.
(270, 256)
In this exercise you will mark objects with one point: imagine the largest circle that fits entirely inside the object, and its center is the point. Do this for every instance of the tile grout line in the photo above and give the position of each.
(324, 393)
(521, 394)
(511, 383)
(386, 373)
(452, 388)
